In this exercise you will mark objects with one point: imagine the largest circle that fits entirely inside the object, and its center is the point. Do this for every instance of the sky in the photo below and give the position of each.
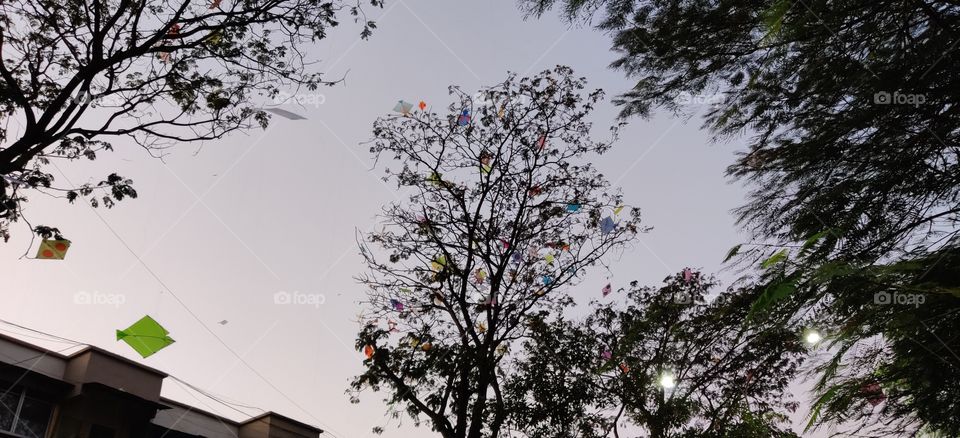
(220, 229)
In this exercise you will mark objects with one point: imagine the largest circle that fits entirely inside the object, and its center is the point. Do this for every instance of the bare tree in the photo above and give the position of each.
(503, 216)
(75, 74)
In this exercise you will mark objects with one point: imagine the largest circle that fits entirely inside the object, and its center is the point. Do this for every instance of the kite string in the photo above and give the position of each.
(75, 344)
(196, 317)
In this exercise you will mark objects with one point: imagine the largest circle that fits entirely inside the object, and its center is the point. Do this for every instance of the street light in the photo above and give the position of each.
(667, 381)
(812, 337)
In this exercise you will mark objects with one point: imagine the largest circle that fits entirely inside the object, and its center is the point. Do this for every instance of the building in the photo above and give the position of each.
(97, 394)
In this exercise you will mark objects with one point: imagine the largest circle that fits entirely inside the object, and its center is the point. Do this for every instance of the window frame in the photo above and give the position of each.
(16, 416)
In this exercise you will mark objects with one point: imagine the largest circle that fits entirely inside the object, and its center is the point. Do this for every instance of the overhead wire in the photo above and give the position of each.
(74, 344)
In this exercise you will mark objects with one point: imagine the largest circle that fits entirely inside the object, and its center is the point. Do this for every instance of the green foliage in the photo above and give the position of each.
(731, 376)
(732, 253)
(776, 258)
(850, 112)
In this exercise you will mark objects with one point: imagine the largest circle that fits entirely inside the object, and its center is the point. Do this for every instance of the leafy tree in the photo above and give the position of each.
(76, 74)
(612, 372)
(502, 215)
(852, 113)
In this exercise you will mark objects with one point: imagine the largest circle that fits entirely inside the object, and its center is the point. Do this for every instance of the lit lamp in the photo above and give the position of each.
(812, 337)
(667, 381)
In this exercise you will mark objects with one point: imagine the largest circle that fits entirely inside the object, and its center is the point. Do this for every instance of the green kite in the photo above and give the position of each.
(146, 336)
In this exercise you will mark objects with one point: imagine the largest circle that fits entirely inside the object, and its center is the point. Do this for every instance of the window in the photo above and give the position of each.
(21, 414)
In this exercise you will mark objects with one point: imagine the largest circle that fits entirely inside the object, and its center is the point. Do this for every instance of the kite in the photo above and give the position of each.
(535, 191)
(215, 37)
(464, 118)
(434, 179)
(438, 300)
(874, 393)
(606, 290)
(485, 166)
(687, 275)
(174, 31)
(542, 141)
(607, 355)
(481, 327)
(13, 180)
(214, 4)
(145, 336)
(549, 258)
(164, 56)
(368, 350)
(547, 280)
(426, 346)
(224, 322)
(573, 208)
(285, 114)
(396, 304)
(403, 107)
(502, 111)
(423, 105)
(617, 210)
(607, 225)
(480, 276)
(624, 367)
(53, 249)
(516, 258)
(439, 263)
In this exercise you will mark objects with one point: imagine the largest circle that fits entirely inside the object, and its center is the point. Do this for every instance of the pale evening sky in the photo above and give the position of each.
(226, 226)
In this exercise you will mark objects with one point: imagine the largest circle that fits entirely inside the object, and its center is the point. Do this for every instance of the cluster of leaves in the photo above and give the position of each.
(74, 74)
(853, 158)
(503, 214)
(892, 328)
(601, 375)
